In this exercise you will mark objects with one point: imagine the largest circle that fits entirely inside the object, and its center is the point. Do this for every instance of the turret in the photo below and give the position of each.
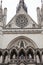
(42, 13)
(5, 17)
(1, 23)
(1, 13)
(39, 16)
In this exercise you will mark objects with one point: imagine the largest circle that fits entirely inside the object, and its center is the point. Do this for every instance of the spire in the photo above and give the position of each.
(22, 0)
(22, 4)
(1, 1)
(0, 10)
(41, 13)
(1, 4)
(42, 5)
(42, 1)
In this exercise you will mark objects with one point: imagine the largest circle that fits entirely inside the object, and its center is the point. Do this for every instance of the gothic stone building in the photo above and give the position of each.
(21, 40)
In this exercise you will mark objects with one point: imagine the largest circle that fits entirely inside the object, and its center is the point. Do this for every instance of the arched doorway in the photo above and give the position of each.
(25, 40)
(21, 43)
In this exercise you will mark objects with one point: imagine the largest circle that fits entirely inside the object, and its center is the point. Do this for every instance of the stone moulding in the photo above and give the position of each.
(21, 31)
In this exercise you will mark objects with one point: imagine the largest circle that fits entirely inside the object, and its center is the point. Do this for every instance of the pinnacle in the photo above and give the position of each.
(1, 1)
(21, 1)
(22, 4)
(42, 1)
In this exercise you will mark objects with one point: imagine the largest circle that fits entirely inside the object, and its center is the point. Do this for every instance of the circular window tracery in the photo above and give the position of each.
(21, 21)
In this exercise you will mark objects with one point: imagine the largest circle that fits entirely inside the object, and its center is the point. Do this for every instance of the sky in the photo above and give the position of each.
(11, 6)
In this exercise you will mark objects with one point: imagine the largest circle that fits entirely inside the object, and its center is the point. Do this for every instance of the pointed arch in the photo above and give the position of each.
(22, 53)
(38, 56)
(30, 54)
(13, 54)
(5, 57)
(12, 43)
(30, 47)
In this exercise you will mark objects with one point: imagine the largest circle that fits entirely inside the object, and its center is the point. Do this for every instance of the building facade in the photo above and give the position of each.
(21, 40)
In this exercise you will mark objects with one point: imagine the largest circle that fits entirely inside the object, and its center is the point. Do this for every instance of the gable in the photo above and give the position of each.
(31, 23)
(22, 20)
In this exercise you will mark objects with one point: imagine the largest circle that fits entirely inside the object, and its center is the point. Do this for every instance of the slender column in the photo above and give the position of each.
(35, 58)
(3, 59)
(41, 57)
(9, 58)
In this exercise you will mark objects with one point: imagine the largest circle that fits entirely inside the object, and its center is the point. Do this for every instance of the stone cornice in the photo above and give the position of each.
(22, 31)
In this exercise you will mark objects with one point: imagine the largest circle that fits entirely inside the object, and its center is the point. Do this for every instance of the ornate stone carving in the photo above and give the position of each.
(21, 21)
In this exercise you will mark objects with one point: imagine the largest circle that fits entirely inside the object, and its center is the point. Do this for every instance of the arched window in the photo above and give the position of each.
(42, 56)
(38, 57)
(1, 57)
(13, 54)
(30, 54)
(6, 57)
(22, 54)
